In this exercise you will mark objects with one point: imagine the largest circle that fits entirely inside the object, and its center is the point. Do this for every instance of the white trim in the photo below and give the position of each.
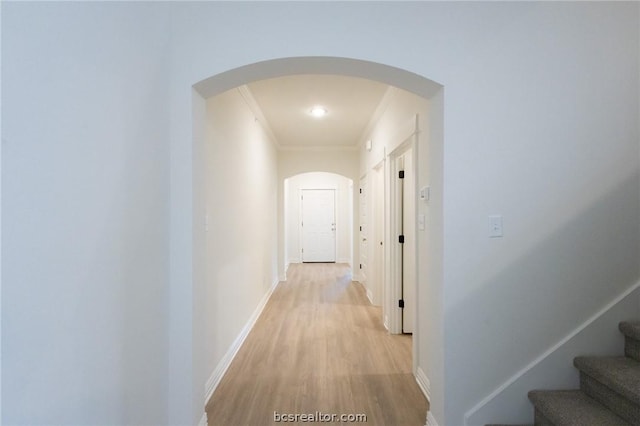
(370, 296)
(203, 420)
(431, 421)
(318, 148)
(247, 95)
(408, 141)
(423, 383)
(384, 103)
(549, 351)
(283, 276)
(225, 362)
(344, 260)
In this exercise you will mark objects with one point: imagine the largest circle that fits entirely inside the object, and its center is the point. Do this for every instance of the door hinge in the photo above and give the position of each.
(401, 174)
(361, 229)
(401, 239)
(401, 303)
(361, 266)
(361, 190)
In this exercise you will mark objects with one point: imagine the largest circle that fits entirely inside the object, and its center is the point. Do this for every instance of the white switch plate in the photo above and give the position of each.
(495, 226)
(425, 193)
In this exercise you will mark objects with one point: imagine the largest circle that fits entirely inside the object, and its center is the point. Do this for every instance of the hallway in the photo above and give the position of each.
(319, 346)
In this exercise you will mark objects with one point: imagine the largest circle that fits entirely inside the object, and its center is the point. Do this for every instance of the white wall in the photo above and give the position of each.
(241, 191)
(541, 126)
(537, 102)
(569, 200)
(85, 213)
(555, 371)
(344, 221)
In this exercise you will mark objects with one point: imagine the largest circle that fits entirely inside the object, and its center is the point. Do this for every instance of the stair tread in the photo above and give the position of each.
(573, 408)
(620, 374)
(630, 329)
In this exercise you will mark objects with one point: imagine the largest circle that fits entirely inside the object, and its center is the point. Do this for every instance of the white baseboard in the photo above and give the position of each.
(369, 296)
(549, 352)
(423, 383)
(225, 362)
(431, 421)
(203, 420)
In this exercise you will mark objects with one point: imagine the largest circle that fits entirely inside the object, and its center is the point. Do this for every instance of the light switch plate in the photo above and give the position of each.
(495, 226)
(425, 193)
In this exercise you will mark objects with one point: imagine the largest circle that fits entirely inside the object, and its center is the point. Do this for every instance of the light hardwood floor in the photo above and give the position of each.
(319, 346)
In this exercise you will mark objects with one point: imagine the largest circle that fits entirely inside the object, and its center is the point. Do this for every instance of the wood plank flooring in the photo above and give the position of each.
(319, 346)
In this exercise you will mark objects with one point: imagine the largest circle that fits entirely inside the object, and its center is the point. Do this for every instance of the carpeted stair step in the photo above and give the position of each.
(631, 331)
(571, 408)
(614, 382)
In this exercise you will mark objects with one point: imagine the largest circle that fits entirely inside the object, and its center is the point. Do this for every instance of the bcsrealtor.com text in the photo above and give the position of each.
(318, 417)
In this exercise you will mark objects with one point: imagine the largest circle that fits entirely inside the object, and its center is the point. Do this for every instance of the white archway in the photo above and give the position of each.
(343, 187)
(430, 320)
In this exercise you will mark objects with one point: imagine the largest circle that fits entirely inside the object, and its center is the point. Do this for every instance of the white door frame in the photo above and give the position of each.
(363, 233)
(379, 229)
(393, 287)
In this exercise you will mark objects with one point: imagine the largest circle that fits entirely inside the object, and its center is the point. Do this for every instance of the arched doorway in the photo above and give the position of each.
(340, 190)
(429, 244)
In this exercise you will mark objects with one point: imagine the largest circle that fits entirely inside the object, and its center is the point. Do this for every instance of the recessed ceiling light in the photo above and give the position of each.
(318, 111)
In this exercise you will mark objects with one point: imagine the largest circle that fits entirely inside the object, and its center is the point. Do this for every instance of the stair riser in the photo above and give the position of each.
(540, 420)
(632, 348)
(610, 399)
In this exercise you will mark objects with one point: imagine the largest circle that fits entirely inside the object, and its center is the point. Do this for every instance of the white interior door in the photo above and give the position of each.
(318, 225)
(363, 231)
(409, 246)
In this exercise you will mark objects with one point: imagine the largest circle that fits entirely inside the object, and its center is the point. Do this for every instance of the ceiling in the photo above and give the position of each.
(286, 103)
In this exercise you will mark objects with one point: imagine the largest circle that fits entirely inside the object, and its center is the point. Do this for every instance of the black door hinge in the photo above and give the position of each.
(401, 239)
(401, 303)
(401, 174)
(361, 266)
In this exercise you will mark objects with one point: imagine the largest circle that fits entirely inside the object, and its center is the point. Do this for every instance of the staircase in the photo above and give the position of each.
(609, 393)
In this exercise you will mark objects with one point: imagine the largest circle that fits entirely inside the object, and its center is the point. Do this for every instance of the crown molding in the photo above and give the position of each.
(329, 148)
(246, 94)
(386, 99)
